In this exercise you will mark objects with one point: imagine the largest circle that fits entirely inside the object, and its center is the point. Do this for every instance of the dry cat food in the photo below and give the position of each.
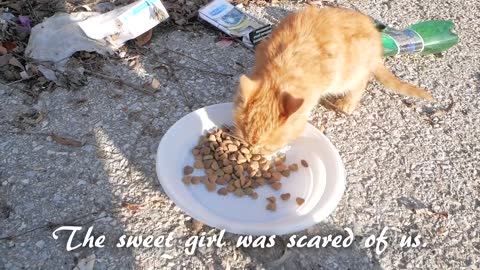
(230, 166)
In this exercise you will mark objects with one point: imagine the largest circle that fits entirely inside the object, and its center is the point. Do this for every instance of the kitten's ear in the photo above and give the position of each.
(289, 105)
(246, 87)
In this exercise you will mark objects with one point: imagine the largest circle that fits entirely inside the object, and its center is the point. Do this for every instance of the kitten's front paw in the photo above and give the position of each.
(345, 105)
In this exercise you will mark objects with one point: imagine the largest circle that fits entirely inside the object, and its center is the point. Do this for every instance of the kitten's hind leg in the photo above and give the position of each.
(350, 101)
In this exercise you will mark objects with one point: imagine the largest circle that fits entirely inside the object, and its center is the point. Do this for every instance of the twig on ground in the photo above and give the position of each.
(196, 69)
(34, 14)
(17, 81)
(56, 138)
(238, 40)
(381, 128)
(68, 222)
(190, 57)
(115, 79)
(329, 105)
(23, 132)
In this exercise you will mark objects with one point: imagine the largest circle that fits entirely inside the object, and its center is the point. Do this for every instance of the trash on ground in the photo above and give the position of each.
(125, 23)
(183, 12)
(62, 35)
(25, 21)
(59, 37)
(234, 22)
(427, 37)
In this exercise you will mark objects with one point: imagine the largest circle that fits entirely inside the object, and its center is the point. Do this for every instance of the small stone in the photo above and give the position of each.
(212, 138)
(155, 84)
(248, 191)
(285, 196)
(254, 195)
(40, 244)
(286, 173)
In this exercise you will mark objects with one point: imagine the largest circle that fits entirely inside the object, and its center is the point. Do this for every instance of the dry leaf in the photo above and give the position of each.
(14, 62)
(225, 42)
(131, 206)
(4, 59)
(195, 226)
(32, 119)
(144, 38)
(9, 45)
(47, 73)
(65, 141)
(441, 214)
(24, 75)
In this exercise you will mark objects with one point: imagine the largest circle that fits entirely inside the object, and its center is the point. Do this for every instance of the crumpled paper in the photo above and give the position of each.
(59, 37)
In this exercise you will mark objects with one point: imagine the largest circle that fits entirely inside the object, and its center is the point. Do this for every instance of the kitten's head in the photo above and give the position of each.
(264, 115)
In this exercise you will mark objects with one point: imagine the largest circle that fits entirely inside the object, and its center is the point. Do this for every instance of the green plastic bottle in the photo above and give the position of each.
(426, 37)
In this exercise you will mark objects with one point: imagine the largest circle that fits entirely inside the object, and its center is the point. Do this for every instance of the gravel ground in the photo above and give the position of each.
(412, 166)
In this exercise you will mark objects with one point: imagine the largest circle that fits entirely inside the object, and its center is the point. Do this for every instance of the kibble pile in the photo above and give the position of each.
(230, 163)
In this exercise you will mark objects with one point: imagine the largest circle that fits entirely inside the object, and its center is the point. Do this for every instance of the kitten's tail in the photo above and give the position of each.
(388, 79)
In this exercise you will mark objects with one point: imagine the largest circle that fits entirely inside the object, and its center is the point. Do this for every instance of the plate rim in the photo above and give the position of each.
(328, 209)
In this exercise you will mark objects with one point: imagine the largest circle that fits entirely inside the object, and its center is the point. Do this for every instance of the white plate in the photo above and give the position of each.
(321, 184)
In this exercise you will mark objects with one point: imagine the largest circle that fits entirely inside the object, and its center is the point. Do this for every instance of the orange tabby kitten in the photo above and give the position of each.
(311, 54)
